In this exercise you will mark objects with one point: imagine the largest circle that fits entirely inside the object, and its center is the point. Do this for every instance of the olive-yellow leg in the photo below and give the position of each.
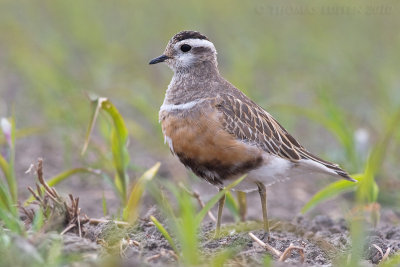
(221, 203)
(262, 190)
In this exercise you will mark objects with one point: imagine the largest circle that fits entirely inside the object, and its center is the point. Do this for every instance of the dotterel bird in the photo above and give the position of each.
(219, 133)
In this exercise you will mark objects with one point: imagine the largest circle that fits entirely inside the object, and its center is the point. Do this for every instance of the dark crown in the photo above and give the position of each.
(188, 35)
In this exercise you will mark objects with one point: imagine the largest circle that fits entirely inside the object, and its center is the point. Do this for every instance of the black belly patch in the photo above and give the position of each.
(214, 171)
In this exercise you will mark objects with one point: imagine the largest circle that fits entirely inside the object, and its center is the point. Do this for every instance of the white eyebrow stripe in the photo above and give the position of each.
(197, 43)
(185, 106)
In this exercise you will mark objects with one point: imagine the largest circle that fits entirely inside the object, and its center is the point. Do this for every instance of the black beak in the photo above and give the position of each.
(159, 59)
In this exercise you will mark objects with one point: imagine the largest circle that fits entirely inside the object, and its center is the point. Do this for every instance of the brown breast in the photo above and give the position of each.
(197, 137)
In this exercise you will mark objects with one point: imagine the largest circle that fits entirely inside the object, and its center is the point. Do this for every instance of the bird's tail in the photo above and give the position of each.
(332, 168)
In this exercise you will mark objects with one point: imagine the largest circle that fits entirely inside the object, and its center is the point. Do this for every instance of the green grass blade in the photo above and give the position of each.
(165, 233)
(337, 124)
(121, 160)
(330, 191)
(378, 153)
(6, 202)
(55, 255)
(96, 106)
(38, 220)
(368, 190)
(131, 210)
(4, 166)
(232, 205)
(120, 188)
(64, 175)
(393, 261)
(119, 140)
(154, 188)
(214, 200)
(8, 167)
(357, 235)
(12, 181)
(187, 229)
(11, 221)
(267, 261)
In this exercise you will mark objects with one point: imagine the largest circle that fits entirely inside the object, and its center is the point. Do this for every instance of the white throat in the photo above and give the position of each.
(184, 106)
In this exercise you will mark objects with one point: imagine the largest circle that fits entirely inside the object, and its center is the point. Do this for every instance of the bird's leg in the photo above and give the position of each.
(241, 196)
(221, 203)
(262, 190)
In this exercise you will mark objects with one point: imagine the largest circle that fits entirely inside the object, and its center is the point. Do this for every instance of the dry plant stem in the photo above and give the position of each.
(266, 246)
(282, 256)
(69, 227)
(29, 213)
(196, 195)
(55, 193)
(67, 213)
(71, 198)
(34, 194)
(39, 172)
(288, 250)
(79, 226)
(153, 257)
(379, 249)
(122, 249)
(386, 255)
(48, 199)
(201, 203)
(134, 242)
(50, 194)
(173, 254)
(39, 191)
(150, 224)
(383, 255)
(118, 223)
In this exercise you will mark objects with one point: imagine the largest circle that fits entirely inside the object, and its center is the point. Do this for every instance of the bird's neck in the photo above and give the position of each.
(192, 83)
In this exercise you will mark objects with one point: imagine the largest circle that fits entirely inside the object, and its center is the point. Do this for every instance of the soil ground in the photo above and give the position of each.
(322, 233)
(323, 240)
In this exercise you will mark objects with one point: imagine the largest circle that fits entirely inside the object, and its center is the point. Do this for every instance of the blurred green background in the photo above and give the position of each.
(293, 57)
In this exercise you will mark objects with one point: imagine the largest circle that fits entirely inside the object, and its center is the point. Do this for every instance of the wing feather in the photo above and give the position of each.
(252, 124)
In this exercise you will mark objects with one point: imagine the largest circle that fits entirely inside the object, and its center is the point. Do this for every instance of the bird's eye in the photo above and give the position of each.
(185, 48)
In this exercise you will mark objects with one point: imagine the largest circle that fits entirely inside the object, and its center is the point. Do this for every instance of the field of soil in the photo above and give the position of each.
(321, 236)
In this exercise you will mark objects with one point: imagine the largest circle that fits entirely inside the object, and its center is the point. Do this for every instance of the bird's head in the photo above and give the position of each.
(186, 50)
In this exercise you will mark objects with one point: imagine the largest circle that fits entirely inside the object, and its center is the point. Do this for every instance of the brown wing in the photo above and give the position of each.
(252, 124)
